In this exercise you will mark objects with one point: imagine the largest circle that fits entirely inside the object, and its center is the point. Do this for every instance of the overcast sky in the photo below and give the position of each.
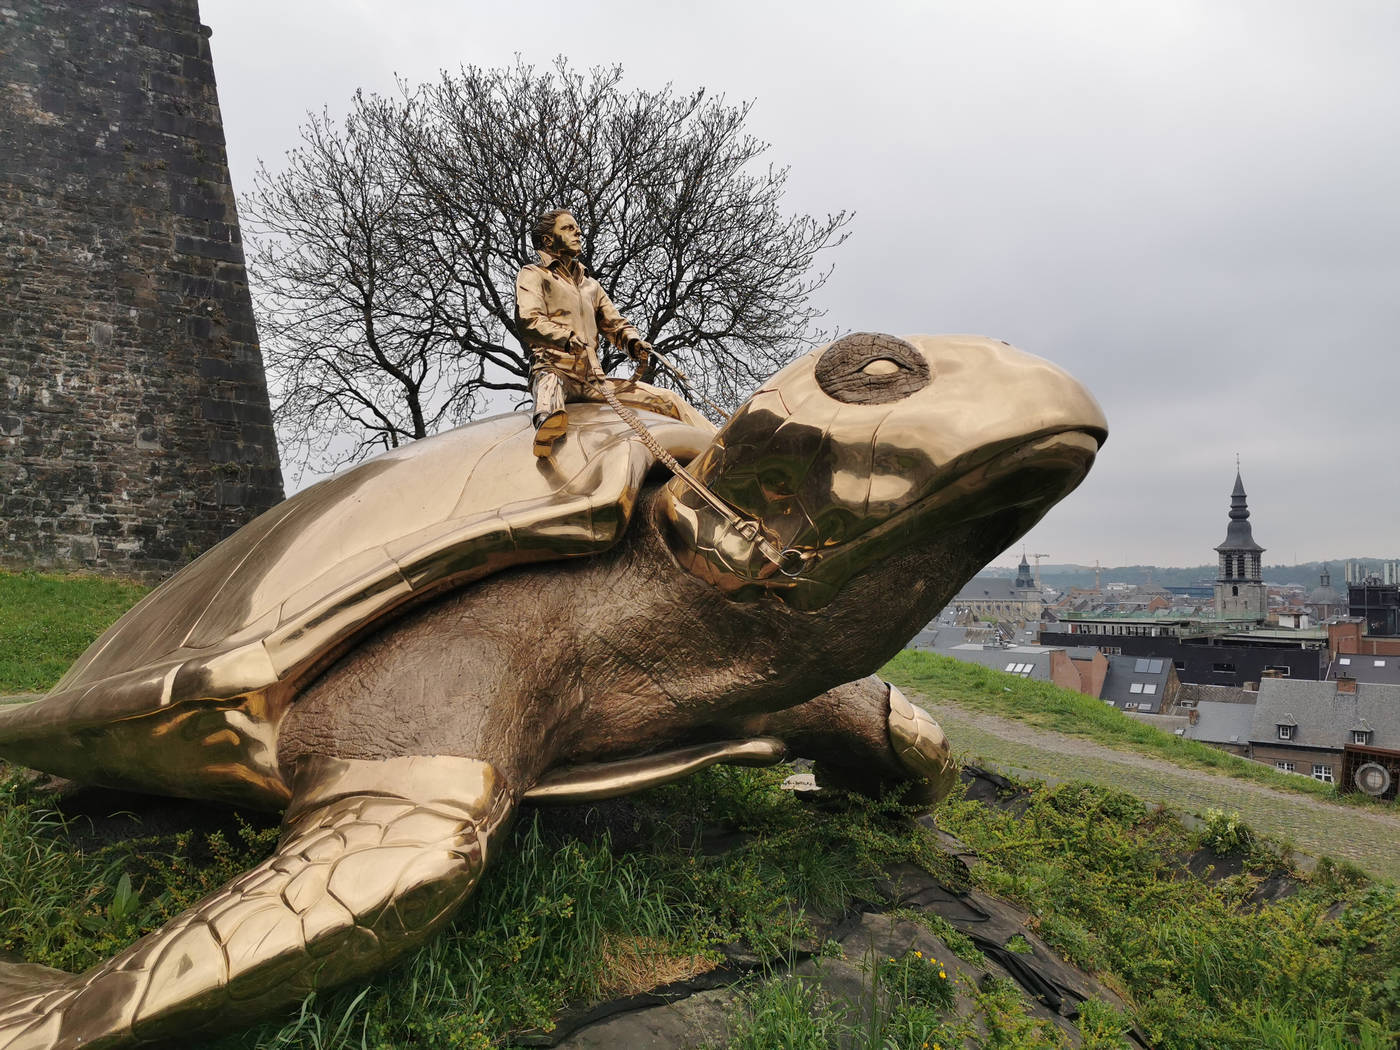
(1193, 207)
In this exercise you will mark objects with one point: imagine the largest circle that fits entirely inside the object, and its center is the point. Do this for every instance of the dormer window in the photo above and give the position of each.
(1285, 732)
(1361, 736)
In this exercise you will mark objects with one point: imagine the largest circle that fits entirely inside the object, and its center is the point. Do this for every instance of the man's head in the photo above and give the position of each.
(557, 231)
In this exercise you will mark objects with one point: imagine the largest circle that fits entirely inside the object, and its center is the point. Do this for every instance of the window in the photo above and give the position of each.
(1136, 687)
(1377, 663)
(1322, 773)
(1285, 767)
(1180, 665)
(1345, 661)
(1223, 668)
(1360, 736)
(1285, 732)
(1149, 688)
(1282, 670)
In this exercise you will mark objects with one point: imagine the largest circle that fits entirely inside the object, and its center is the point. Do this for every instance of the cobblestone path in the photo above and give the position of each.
(1315, 827)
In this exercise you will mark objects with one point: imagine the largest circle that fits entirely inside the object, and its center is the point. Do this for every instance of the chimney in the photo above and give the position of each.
(1194, 715)
(1346, 684)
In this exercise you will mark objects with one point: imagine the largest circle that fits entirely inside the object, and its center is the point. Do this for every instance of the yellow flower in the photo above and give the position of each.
(919, 954)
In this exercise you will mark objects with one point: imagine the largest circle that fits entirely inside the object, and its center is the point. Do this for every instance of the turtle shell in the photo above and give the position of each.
(184, 694)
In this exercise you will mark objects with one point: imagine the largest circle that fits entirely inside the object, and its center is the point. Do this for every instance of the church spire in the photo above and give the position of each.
(1239, 589)
(1023, 573)
(1239, 536)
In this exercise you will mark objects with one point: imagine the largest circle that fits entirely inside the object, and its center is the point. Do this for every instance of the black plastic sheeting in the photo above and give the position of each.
(990, 923)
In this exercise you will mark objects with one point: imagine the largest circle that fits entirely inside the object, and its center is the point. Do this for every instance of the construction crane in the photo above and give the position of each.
(1037, 558)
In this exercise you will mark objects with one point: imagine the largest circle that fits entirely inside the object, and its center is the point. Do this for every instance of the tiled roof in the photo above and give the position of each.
(1140, 680)
(1026, 661)
(1366, 668)
(996, 589)
(1198, 693)
(1222, 723)
(1325, 717)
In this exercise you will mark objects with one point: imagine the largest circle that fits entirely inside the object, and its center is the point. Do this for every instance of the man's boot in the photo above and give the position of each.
(548, 430)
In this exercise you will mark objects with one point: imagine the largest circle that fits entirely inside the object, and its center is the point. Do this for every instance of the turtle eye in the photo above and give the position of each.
(870, 368)
(881, 366)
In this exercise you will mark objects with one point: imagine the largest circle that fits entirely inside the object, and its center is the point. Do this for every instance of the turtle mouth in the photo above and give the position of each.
(1029, 474)
(1016, 482)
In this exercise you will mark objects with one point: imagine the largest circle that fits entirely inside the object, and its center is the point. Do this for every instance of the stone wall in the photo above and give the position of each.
(134, 422)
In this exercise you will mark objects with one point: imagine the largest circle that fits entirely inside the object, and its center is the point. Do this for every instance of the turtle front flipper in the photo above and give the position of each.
(588, 782)
(374, 857)
(867, 736)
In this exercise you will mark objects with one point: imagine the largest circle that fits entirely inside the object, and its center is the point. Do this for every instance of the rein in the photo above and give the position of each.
(789, 561)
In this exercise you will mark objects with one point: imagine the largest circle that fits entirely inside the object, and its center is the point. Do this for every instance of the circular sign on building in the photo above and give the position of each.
(1372, 779)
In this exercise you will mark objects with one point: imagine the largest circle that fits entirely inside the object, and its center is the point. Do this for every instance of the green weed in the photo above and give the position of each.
(786, 1013)
(916, 978)
(1226, 833)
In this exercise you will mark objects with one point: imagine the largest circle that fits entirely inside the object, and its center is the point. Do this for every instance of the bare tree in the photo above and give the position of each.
(384, 254)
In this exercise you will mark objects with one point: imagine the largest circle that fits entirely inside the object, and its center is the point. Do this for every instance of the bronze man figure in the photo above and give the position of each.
(560, 311)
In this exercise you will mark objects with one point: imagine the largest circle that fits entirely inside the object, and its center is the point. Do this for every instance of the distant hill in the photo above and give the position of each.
(1062, 576)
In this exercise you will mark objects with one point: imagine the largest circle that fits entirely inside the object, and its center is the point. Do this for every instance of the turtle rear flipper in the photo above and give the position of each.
(867, 736)
(375, 856)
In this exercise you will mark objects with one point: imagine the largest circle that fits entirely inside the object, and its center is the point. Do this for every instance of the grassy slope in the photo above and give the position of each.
(1065, 711)
(47, 621)
(562, 920)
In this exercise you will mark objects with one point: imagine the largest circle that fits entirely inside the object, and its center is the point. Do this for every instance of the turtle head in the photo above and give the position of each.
(872, 444)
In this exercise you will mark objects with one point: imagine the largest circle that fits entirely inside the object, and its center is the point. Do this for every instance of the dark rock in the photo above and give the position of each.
(699, 1020)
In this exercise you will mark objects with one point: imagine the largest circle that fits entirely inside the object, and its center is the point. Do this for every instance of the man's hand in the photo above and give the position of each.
(640, 351)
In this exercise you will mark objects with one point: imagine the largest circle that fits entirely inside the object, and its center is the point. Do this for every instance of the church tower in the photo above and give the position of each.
(1239, 586)
(1024, 579)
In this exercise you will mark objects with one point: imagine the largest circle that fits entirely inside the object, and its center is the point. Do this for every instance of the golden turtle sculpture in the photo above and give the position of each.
(402, 654)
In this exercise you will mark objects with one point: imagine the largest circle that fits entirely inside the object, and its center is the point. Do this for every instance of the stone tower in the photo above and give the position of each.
(1239, 588)
(134, 422)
